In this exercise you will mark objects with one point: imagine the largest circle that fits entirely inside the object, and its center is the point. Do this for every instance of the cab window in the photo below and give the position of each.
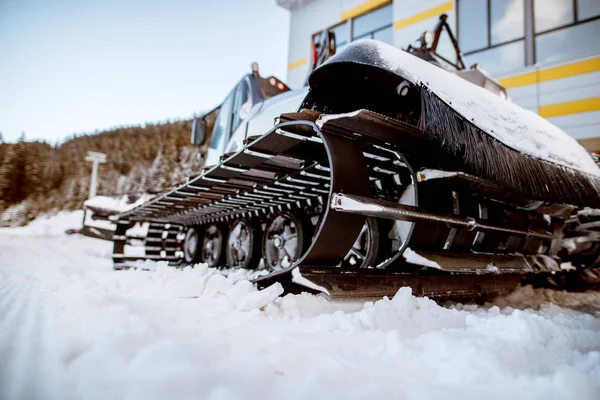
(220, 134)
(242, 105)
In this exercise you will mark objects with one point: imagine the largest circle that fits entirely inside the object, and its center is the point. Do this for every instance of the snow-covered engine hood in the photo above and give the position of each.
(272, 108)
(515, 127)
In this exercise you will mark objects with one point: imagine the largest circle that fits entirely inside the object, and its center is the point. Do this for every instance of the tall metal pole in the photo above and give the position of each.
(94, 182)
(96, 159)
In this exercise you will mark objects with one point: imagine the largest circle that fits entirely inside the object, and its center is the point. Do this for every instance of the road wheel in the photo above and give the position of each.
(364, 250)
(242, 248)
(212, 245)
(286, 238)
(191, 244)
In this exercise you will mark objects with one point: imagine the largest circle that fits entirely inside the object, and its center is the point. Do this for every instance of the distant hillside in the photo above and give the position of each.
(37, 177)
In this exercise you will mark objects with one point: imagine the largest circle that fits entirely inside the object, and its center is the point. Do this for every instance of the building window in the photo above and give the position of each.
(492, 32)
(385, 35)
(566, 42)
(588, 9)
(489, 30)
(376, 23)
(554, 14)
(472, 28)
(501, 59)
(550, 14)
(341, 35)
(507, 20)
(565, 28)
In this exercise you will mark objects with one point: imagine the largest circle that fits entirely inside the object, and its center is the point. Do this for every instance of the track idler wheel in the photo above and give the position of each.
(212, 245)
(191, 245)
(366, 247)
(287, 235)
(242, 248)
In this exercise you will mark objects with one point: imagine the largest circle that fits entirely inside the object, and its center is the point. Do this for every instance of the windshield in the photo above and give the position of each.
(219, 136)
(242, 105)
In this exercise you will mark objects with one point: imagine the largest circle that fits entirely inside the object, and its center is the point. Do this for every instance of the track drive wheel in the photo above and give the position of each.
(287, 236)
(212, 245)
(365, 249)
(191, 245)
(242, 247)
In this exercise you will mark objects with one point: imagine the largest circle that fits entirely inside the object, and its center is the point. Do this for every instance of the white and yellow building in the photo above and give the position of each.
(545, 52)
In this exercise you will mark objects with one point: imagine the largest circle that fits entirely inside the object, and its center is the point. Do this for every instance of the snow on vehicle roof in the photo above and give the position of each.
(505, 121)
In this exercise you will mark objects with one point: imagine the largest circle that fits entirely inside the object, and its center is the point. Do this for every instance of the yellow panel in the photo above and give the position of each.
(562, 71)
(422, 16)
(363, 8)
(519, 80)
(576, 68)
(570, 107)
(298, 63)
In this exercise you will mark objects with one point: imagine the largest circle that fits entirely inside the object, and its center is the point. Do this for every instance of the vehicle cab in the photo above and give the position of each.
(225, 128)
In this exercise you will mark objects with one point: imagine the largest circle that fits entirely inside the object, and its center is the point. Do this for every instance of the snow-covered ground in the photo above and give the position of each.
(72, 328)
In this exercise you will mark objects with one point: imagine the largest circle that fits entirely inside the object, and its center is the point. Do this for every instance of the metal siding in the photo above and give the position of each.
(580, 126)
(525, 98)
(350, 4)
(304, 22)
(408, 8)
(297, 76)
(568, 89)
(583, 125)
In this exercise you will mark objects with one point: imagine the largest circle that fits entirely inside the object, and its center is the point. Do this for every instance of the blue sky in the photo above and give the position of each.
(75, 66)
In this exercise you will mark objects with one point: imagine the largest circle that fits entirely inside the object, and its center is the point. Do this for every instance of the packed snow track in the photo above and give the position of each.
(73, 328)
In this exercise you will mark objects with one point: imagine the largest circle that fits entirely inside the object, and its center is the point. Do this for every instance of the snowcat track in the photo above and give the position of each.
(475, 236)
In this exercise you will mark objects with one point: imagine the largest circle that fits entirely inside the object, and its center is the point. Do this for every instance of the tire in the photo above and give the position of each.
(242, 247)
(212, 250)
(366, 247)
(191, 246)
(286, 237)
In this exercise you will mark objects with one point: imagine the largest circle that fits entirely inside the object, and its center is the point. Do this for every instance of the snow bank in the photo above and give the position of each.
(72, 328)
(48, 225)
